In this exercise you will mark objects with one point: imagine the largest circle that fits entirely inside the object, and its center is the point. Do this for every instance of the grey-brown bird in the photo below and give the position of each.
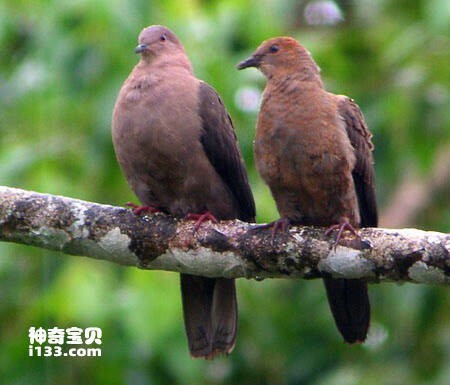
(176, 145)
(314, 150)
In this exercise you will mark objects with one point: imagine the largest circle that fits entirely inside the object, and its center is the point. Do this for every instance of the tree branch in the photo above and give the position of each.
(227, 249)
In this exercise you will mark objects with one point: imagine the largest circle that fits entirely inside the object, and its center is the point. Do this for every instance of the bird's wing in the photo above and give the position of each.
(363, 173)
(220, 144)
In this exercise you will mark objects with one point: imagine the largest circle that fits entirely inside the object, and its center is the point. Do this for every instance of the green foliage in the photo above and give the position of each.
(61, 67)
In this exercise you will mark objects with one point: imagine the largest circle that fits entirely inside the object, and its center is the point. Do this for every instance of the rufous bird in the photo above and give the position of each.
(314, 150)
(176, 145)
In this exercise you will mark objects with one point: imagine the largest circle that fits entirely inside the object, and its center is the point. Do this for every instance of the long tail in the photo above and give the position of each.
(349, 303)
(210, 314)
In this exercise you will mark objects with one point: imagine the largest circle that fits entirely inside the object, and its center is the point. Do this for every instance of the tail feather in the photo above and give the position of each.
(349, 303)
(210, 314)
(224, 315)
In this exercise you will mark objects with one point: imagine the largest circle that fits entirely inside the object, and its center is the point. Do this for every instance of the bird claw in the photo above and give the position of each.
(138, 210)
(280, 225)
(200, 218)
(341, 227)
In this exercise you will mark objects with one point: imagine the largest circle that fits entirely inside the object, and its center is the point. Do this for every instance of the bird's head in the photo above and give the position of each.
(282, 56)
(158, 41)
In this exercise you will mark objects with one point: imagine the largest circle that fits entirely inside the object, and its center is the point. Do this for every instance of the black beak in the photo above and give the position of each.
(252, 61)
(140, 48)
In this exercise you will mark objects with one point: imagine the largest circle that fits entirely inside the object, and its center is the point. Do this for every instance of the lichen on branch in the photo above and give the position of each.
(231, 249)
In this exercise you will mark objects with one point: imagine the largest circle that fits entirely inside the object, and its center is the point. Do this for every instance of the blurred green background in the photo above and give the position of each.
(61, 66)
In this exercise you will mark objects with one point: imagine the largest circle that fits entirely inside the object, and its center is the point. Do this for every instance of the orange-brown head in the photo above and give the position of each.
(280, 56)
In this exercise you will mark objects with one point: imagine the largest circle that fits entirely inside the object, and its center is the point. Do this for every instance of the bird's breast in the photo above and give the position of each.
(154, 128)
(297, 139)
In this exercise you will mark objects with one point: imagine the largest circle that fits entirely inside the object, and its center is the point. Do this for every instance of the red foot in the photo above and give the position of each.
(341, 227)
(280, 225)
(138, 210)
(200, 218)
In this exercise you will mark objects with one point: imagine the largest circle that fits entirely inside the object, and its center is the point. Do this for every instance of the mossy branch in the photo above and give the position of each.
(228, 249)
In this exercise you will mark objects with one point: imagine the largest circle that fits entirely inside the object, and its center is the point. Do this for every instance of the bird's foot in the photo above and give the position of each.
(138, 210)
(200, 218)
(341, 227)
(280, 225)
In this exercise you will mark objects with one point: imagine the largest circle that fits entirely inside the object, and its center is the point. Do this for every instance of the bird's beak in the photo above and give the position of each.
(252, 61)
(141, 48)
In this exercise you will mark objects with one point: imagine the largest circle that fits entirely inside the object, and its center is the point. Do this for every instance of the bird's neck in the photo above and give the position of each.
(298, 75)
(163, 64)
(290, 83)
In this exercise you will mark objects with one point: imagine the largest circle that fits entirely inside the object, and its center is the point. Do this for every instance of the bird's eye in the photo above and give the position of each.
(274, 48)
(162, 38)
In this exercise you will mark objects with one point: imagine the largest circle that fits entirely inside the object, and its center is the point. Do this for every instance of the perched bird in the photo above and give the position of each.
(176, 145)
(314, 150)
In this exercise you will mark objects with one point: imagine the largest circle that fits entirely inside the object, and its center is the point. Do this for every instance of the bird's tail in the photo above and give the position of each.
(210, 314)
(349, 303)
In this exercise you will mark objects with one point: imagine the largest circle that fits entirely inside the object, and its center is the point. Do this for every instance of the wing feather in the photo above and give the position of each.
(363, 173)
(220, 145)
